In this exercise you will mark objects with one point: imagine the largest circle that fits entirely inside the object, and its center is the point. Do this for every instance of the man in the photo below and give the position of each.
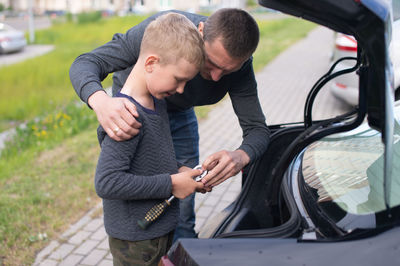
(230, 37)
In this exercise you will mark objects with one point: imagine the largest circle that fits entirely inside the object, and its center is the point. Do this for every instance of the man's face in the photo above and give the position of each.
(218, 62)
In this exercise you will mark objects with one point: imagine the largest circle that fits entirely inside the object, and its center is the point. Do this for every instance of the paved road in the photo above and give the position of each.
(283, 86)
(22, 23)
(29, 51)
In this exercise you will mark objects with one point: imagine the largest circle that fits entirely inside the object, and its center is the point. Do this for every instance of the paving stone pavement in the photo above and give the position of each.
(283, 85)
(29, 51)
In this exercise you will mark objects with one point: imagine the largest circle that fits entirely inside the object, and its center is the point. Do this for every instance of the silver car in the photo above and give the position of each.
(11, 40)
(345, 87)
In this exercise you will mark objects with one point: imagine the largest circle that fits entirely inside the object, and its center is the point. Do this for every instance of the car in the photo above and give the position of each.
(345, 87)
(326, 191)
(11, 40)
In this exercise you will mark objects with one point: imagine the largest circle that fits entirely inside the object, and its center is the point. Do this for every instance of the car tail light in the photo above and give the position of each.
(346, 43)
(165, 261)
(340, 85)
(4, 39)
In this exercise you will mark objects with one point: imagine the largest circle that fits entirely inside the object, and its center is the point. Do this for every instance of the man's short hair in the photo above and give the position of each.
(237, 30)
(173, 36)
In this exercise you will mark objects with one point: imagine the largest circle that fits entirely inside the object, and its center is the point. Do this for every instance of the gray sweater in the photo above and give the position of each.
(134, 175)
(121, 53)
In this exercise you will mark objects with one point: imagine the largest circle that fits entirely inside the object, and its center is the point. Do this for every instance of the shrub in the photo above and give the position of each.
(88, 17)
(42, 133)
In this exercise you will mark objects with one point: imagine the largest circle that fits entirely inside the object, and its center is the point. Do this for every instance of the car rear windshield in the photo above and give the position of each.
(347, 169)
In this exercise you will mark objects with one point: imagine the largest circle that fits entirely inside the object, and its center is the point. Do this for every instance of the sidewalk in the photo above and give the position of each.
(283, 85)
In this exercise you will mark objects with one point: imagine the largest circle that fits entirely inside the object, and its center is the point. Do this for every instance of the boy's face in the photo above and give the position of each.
(167, 79)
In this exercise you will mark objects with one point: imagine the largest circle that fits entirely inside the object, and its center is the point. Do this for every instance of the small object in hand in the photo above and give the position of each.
(116, 129)
(200, 177)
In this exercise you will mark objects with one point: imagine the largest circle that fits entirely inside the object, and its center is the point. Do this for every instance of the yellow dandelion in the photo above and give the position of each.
(67, 117)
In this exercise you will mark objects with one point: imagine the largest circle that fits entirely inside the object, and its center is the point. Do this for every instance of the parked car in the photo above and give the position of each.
(11, 40)
(326, 192)
(345, 87)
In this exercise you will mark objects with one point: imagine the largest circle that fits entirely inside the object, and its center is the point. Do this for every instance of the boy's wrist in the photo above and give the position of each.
(173, 183)
(183, 169)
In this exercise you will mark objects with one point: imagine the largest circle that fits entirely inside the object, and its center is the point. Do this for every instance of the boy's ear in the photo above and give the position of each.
(150, 62)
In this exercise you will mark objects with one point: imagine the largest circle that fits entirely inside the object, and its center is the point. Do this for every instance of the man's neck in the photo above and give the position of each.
(135, 86)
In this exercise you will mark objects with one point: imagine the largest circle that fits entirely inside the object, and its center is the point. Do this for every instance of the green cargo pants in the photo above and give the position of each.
(145, 252)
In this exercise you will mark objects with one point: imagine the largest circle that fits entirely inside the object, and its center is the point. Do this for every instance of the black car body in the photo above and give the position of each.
(326, 192)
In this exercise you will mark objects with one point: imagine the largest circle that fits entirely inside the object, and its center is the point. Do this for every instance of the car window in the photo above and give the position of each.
(347, 169)
(396, 9)
(4, 27)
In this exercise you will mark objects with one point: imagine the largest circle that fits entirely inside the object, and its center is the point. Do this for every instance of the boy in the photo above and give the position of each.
(134, 175)
(230, 38)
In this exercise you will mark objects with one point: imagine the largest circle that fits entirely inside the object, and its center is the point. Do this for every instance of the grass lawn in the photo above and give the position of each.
(36, 86)
(46, 173)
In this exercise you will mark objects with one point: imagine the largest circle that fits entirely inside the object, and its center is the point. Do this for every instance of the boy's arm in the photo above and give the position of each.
(183, 183)
(114, 181)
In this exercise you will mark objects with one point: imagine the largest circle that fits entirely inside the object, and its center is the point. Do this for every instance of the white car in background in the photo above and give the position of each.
(345, 87)
(11, 40)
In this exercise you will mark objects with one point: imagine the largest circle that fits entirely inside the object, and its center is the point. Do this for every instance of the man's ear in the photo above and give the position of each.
(200, 28)
(151, 62)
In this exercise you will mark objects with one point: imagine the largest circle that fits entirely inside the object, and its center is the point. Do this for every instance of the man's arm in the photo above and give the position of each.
(243, 93)
(223, 165)
(117, 116)
(89, 69)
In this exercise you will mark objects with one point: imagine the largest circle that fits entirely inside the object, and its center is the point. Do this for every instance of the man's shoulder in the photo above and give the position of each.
(195, 18)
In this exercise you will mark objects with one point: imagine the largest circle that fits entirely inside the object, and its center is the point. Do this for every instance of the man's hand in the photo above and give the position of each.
(116, 115)
(223, 165)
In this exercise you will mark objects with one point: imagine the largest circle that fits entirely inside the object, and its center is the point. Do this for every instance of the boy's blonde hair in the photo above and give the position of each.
(173, 36)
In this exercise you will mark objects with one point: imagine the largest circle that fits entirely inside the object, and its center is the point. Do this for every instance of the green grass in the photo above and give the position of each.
(46, 194)
(37, 86)
(43, 134)
(276, 36)
(46, 173)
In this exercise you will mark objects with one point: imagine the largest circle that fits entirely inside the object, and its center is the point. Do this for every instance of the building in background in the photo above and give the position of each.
(118, 6)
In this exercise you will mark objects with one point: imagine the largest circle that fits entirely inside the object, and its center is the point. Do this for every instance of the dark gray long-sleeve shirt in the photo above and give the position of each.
(134, 175)
(121, 53)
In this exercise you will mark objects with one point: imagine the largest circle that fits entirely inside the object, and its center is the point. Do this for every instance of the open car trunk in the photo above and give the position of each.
(265, 206)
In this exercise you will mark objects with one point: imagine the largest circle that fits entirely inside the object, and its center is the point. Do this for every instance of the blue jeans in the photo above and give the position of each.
(185, 135)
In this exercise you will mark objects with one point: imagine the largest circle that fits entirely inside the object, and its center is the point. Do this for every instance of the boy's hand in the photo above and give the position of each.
(116, 115)
(183, 184)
